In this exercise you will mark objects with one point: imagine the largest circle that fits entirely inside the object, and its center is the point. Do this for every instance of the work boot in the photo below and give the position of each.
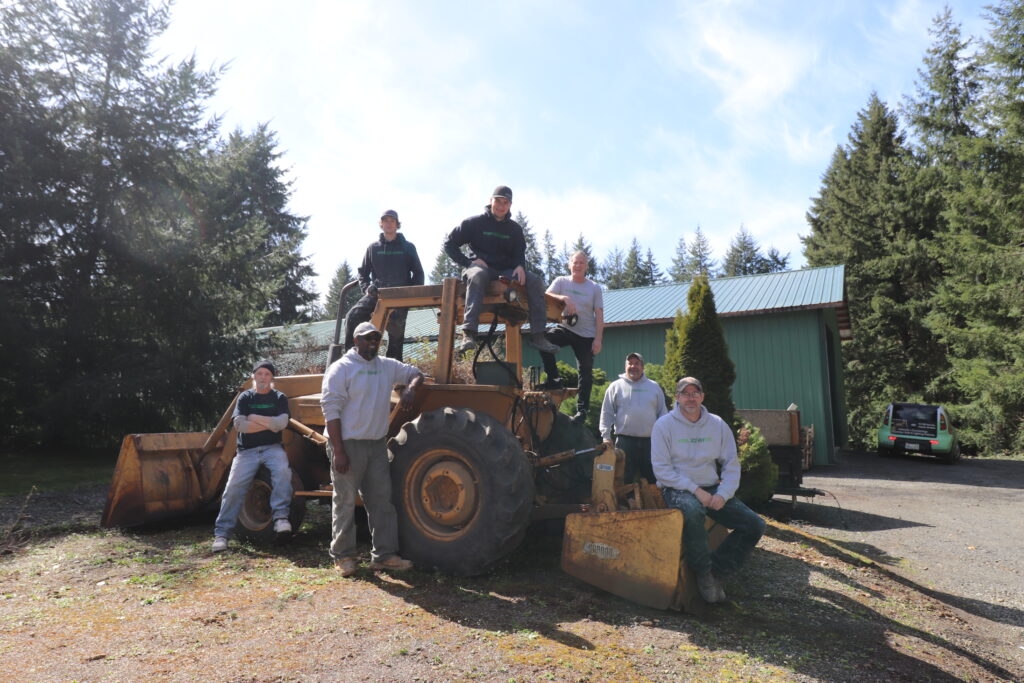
(282, 526)
(468, 343)
(555, 384)
(541, 343)
(393, 563)
(708, 587)
(220, 544)
(579, 418)
(347, 566)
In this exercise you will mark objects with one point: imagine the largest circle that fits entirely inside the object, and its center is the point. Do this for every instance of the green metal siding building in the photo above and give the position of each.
(783, 331)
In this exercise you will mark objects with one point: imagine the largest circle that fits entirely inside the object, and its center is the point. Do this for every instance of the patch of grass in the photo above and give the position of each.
(52, 471)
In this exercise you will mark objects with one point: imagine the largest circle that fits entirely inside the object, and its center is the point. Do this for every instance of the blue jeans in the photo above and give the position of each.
(747, 529)
(243, 470)
(477, 279)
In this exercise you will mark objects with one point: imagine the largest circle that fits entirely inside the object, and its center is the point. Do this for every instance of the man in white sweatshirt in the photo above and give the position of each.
(689, 446)
(356, 400)
(631, 406)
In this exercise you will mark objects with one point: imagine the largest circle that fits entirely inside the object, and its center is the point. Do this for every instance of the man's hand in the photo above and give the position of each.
(340, 461)
(595, 348)
(570, 307)
(703, 497)
(406, 397)
(716, 503)
(608, 444)
(479, 262)
(520, 275)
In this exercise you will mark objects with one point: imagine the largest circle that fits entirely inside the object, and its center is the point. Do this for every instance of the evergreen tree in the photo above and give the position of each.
(552, 268)
(613, 272)
(444, 267)
(342, 277)
(744, 256)
(869, 217)
(776, 262)
(632, 268)
(124, 253)
(700, 260)
(977, 309)
(652, 273)
(680, 270)
(534, 261)
(695, 347)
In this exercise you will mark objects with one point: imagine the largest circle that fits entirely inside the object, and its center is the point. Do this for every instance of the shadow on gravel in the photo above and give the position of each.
(994, 472)
(834, 517)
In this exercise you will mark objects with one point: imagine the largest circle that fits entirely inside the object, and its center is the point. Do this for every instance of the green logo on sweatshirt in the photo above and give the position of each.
(261, 405)
(496, 234)
(368, 372)
(701, 439)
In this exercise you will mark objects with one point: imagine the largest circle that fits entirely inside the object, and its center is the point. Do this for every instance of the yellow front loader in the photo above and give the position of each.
(473, 464)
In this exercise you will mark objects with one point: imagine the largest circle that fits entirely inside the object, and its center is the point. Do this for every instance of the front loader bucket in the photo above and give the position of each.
(155, 478)
(635, 554)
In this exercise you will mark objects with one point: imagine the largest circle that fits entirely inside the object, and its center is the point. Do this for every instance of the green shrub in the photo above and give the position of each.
(758, 473)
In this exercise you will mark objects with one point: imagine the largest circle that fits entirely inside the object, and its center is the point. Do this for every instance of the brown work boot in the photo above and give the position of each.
(346, 565)
(708, 587)
(393, 563)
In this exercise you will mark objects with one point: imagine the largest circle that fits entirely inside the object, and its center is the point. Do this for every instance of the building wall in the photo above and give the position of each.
(780, 358)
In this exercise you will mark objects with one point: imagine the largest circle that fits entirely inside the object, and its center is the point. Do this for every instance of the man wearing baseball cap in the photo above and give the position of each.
(391, 261)
(689, 446)
(261, 414)
(631, 406)
(356, 400)
(497, 248)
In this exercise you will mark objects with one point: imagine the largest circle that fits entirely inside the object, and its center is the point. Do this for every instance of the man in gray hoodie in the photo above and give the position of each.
(631, 406)
(688, 447)
(356, 400)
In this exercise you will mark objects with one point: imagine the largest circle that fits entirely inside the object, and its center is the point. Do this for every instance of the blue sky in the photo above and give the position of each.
(617, 120)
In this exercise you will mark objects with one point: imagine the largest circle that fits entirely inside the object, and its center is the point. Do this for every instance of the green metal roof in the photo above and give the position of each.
(734, 296)
(742, 295)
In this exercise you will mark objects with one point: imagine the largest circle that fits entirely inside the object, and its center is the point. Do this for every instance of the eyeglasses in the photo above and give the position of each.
(690, 394)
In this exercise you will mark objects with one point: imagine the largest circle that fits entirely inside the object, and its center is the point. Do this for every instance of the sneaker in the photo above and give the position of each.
(555, 384)
(346, 565)
(579, 418)
(393, 563)
(540, 342)
(282, 526)
(468, 342)
(220, 544)
(708, 587)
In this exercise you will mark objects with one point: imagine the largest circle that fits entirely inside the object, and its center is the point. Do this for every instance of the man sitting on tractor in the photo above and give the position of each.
(498, 249)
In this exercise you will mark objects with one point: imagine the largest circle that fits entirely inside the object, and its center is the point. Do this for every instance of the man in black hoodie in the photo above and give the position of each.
(391, 261)
(498, 248)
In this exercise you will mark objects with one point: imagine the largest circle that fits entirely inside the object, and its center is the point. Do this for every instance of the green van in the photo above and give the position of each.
(918, 428)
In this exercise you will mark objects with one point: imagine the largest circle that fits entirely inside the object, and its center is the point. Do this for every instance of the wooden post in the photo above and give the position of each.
(446, 331)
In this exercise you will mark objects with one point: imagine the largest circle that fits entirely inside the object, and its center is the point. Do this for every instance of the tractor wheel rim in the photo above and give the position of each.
(442, 494)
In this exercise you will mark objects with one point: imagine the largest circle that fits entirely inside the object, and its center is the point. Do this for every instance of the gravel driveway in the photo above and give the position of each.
(955, 530)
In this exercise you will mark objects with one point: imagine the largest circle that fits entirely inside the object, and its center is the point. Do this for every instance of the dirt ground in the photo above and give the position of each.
(81, 603)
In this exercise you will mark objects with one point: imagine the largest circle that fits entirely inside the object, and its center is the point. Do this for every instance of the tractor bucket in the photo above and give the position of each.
(635, 554)
(155, 478)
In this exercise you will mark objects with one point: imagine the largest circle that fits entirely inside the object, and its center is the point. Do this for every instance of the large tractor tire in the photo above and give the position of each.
(463, 490)
(254, 520)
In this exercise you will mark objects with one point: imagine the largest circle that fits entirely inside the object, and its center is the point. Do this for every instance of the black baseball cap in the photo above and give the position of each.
(502, 191)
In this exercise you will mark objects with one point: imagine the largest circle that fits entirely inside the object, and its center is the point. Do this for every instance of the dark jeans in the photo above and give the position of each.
(363, 311)
(477, 278)
(747, 526)
(638, 457)
(583, 349)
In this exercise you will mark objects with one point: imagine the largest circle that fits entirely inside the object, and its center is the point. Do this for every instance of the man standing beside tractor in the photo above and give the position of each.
(582, 328)
(356, 400)
(391, 261)
(687, 447)
(498, 249)
(631, 406)
(260, 415)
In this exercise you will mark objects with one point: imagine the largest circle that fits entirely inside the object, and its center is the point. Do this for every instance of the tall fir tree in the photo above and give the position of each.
(613, 271)
(700, 259)
(743, 257)
(444, 267)
(552, 268)
(869, 217)
(534, 260)
(977, 309)
(632, 267)
(695, 347)
(342, 276)
(652, 273)
(680, 269)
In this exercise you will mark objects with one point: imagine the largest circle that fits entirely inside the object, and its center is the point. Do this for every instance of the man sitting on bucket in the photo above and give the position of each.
(688, 445)
(261, 414)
